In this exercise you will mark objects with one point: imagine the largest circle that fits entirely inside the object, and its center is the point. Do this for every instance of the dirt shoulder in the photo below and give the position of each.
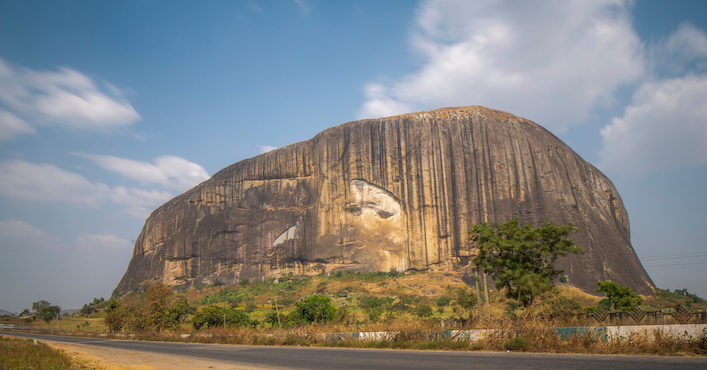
(91, 357)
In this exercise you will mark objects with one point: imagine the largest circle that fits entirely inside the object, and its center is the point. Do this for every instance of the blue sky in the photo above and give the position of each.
(108, 109)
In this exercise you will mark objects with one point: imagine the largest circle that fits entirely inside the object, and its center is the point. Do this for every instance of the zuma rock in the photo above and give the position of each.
(392, 193)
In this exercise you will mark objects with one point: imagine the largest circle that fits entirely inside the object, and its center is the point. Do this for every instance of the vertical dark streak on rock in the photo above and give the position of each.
(491, 179)
(421, 191)
(434, 181)
(455, 203)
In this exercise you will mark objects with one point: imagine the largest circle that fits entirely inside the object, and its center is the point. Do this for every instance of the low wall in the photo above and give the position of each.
(603, 333)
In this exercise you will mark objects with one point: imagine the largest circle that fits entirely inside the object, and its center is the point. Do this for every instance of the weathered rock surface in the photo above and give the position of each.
(397, 192)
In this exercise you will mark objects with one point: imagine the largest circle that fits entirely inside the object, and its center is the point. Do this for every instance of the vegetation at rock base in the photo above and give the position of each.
(24, 354)
(619, 296)
(520, 257)
(296, 310)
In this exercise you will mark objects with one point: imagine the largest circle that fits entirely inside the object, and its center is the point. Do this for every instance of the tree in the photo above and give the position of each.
(464, 298)
(315, 308)
(45, 310)
(175, 314)
(158, 299)
(114, 315)
(620, 296)
(236, 318)
(36, 306)
(520, 258)
(209, 317)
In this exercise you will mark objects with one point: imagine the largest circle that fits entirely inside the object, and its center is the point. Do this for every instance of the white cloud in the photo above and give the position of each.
(43, 182)
(14, 231)
(99, 242)
(18, 232)
(66, 97)
(664, 127)
(303, 6)
(676, 53)
(173, 173)
(267, 148)
(12, 126)
(65, 271)
(46, 183)
(552, 67)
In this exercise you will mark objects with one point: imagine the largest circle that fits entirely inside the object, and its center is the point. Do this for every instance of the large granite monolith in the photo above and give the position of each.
(390, 193)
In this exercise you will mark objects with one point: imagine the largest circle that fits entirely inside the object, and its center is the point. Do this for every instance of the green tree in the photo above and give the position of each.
(272, 318)
(236, 318)
(176, 313)
(208, 317)
(520, 258)
(45, 310)
(314, 308)
(620, 296)
(36, 306)
(424, 311)
(114, 315)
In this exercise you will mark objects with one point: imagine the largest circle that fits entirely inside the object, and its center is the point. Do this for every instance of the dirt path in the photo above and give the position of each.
(119, 359)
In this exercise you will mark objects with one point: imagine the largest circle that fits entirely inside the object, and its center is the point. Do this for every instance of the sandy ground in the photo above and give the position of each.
(118, 359)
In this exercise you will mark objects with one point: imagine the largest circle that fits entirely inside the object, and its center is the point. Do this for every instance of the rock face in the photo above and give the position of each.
(397, 192)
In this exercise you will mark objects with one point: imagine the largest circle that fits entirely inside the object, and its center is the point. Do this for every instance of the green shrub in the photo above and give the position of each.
(208, 317)
(443, 301)
(315, 308)
(517, 344)
(424, 311)
(620, 296)
(236, 318)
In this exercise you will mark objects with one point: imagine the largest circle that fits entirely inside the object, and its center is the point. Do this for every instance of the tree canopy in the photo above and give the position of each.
(521, 258)
(619, 296)
(45, 310)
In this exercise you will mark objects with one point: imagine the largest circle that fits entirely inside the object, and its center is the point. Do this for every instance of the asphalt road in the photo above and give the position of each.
(343, 358)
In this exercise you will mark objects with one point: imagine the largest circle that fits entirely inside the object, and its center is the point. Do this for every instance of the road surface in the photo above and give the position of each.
(345, 358)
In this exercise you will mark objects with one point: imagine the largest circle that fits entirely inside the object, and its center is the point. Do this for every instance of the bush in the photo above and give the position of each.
(209, 317)
(237, 318)
(423, 311)
(517, 344)
(315, 308)
(562, 306)
(443, 301)
(620, 296)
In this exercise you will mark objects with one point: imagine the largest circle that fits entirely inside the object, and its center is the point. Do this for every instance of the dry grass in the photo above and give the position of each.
(525, 334)
(25, 354)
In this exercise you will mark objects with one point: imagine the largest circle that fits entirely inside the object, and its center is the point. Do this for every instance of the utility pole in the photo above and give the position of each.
(486, 290)
(476, 281)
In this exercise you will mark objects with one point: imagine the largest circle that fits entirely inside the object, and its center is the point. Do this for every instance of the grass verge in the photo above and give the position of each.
(25, 354)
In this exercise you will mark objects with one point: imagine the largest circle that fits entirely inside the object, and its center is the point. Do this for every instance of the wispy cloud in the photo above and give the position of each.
(267, 148)
(12, 126)
(171, 172)
(303, 6)
(553, 67)
(64, 271)
(64, 97)
(35, 182)
(664, 128)
(682, 51)
(665, 125)
(99, 242)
